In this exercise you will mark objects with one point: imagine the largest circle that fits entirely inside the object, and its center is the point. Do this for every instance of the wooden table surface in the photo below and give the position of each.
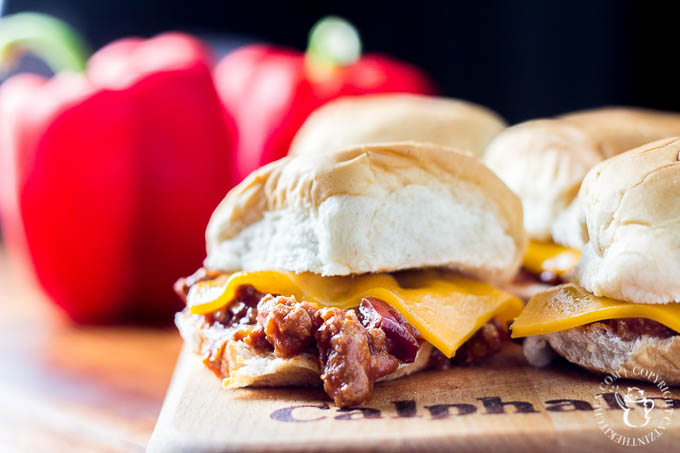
(69, 388)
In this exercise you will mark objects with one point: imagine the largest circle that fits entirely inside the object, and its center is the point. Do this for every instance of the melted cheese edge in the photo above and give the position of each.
(549, 257)
(447, 309)
(567, 306)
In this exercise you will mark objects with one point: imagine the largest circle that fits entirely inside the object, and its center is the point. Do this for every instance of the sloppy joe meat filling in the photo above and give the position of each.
(630, 329)
(355, 347)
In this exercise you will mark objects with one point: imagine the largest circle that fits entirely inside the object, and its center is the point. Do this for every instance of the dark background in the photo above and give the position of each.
(524, 59)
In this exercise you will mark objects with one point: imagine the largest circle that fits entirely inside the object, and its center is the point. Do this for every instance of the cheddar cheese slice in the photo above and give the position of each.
(567, 306)
(549, 257)
(446, 308)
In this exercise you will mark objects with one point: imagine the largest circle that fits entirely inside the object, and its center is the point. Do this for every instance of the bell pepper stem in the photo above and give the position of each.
(50, 39)
(333, 42)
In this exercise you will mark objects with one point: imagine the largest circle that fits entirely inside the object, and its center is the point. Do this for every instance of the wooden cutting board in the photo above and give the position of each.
(504, 404)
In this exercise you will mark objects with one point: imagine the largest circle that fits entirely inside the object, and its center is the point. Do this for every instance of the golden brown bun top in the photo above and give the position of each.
(618, 129)
(380, 118)
(631, 205)
(544, 161)
(370, 209)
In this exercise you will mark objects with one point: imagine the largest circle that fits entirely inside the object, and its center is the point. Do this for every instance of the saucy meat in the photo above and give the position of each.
(287, 324)
(241, 311)
(352, 357)
(355, 347)
(631, 328)
(487, 341)
(438, 361)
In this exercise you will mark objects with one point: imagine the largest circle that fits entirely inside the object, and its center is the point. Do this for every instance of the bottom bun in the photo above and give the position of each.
(599, 349)
(247, 368)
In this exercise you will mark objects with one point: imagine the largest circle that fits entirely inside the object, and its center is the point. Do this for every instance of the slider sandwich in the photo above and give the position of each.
(343, 269)
(379, 118)
(622, 312)
(619, 129)
(544, 162)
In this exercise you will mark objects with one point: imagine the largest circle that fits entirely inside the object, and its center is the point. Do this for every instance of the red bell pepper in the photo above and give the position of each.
(270, 91)
(109, 176)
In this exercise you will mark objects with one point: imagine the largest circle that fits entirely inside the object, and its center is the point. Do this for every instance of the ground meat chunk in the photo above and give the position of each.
(242, 310)
(487, 341)
(255, 338)
(382, 361)
(352, 358)
(630, 329)
(438, 361)
(212, 357)
(287, 324)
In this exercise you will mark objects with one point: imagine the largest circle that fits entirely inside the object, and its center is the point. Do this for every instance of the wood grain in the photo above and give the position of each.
(459, 409)
(68, 388)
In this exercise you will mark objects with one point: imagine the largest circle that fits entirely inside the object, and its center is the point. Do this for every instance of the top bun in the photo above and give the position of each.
(361, 120)
(618, 129)
(372, 208)
(544, 162)
(631, 205)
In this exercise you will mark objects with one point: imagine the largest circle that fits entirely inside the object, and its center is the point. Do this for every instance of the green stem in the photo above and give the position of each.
(52, 40)
(333, 42)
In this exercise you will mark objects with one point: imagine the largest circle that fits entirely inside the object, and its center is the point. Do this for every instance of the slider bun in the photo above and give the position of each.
(597, 348)
(373, 208)
(613, 130)
(631, 205)
(543, 162)
(379, 118)
(250, 369)
(618, 129)
(570, 227)
(247, 368)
